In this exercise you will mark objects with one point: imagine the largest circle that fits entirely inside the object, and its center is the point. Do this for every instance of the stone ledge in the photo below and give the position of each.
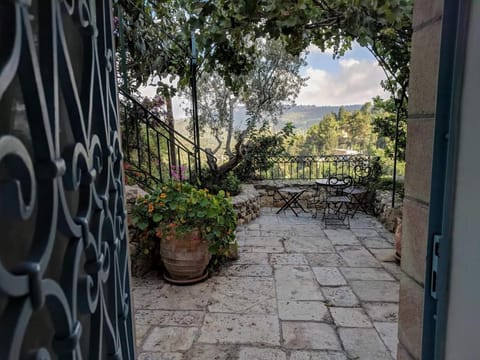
(269, 196)
(389, 217)
(247, 204)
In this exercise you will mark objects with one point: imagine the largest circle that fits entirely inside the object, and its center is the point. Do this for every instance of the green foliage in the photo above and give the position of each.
(269, 87)
(176, 208)
(345, 130)
(260, 149)
(386, 183)
(158, 34)
(230, 184)
(387, 163)
(369, 130)
(323, 137)
(384, 121)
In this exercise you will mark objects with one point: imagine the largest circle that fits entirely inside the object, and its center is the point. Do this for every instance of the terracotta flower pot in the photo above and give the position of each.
(185, 256)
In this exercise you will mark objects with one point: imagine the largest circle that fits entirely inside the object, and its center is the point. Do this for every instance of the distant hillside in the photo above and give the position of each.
(302, 116)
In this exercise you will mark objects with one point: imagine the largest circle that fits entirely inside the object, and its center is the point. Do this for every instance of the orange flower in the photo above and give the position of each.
(172, 225)
(163, 195)
(150, 208)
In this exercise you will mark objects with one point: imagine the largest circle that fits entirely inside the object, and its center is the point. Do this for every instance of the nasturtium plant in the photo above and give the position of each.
(177, 207)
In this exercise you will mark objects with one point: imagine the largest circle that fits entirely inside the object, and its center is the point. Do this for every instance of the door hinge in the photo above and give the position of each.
(434, 270)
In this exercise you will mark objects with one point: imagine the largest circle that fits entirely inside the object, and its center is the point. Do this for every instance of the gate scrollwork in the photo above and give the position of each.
(64, 277)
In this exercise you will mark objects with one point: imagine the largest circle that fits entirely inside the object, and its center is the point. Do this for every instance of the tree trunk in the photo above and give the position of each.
(223, 169)
(171, 134)
(228, 149)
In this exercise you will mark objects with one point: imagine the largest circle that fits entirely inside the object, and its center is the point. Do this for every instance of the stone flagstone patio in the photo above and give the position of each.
(297, 292)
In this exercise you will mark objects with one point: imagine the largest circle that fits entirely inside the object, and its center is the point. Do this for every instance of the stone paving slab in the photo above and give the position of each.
(303, 310)
(340, 296)
(363, 344)
(247, 295)
(376, 243)
(240, 329)
(211, 352)
(386, 291)
(141, 332)
(270, 241)
(169, 317)
(362, 233)
(342, 237)
(384, 255)
(350, 317)
(170, 339)
(160, 356)
(329, 276)
(325, 260)
(262, 249)
(288, 259)
(246, 270)
(170, 297)
(317, 355)
(297, 292)
(365, 274)
(394, 269)
(310, 335)
(308, 244)
(296, 283)
(389, 333)
(252, 353)
(253, 258)
(383, 312)
(357, 256)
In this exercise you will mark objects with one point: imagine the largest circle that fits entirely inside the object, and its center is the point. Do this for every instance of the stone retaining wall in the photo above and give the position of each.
(389, 217)
(269, 196)
(140, 263)
(247, 204)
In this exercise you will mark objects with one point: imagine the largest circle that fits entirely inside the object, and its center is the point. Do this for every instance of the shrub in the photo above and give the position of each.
(176, 208)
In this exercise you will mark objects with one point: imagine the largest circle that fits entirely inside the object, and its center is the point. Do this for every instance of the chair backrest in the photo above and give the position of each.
(363, 174)
(340, 180)
(338, 183)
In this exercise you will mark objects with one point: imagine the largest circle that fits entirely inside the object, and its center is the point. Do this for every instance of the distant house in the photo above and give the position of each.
(345, 152)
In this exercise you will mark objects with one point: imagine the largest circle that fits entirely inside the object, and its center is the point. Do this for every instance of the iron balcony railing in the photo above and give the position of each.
(154, 152)
(309, 167)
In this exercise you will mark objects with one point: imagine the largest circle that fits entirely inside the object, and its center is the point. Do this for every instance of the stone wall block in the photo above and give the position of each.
(425, 11)
(411, 316)
(419, 158)
(414, 240)
(424, 69)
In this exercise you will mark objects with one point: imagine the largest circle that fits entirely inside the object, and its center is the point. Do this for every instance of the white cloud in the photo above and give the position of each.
(357, 82)
(348, 62)
(313, 49)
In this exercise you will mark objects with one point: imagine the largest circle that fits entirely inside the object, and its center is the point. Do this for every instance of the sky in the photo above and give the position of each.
(352, 79)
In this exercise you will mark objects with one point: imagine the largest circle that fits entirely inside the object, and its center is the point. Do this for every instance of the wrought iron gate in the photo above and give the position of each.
(64, 278)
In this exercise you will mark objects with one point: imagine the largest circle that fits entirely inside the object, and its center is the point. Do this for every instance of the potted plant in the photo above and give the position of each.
(191, 224)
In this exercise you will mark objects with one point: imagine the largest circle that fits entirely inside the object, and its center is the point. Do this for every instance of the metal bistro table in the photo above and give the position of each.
(292, 195)
(337, 185)
(334, 200)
